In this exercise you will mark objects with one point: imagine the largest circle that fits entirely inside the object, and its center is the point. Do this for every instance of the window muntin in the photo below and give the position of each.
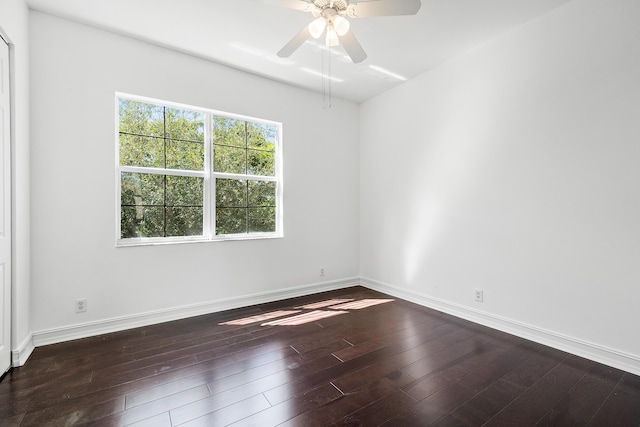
(186, 173)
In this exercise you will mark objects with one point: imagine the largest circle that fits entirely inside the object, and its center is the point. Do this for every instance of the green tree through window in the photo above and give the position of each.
(192, 173)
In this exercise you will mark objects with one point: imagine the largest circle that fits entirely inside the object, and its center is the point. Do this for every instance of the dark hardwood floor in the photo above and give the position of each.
(346, 362)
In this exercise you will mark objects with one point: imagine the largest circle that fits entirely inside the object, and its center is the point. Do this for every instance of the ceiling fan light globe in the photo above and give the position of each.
(332, 38)
(341, 25)
(316, 27)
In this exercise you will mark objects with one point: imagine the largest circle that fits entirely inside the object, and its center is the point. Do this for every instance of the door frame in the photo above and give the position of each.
(10, 200)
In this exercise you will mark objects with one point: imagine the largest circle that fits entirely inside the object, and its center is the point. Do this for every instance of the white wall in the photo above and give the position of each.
(515, 169)
(14, 25)
(75, 71)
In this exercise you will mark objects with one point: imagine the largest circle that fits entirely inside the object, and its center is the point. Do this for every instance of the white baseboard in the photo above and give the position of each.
(67, 333)
(595, 352)
(20, 355)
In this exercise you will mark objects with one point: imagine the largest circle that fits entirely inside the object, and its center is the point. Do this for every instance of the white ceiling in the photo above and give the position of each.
(246, 34)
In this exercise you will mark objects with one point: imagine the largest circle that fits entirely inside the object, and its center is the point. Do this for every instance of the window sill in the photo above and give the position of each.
(160, 241)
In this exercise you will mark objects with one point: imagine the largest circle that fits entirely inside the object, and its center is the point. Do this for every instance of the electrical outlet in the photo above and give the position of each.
(322, 271)
(81, 305)
(479, 295)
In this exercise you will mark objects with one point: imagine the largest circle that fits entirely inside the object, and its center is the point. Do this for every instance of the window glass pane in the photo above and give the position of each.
(261, 163)
(184, 221)
(262, 193)
(231, 220)
(229, 159)
(146, 213)
(140, 189)
(261, 220)
(184, 191)
(229, 132)
(141, 118)
(231, 193)
(185, 125)
(185, 155)
(261, 136)
(144, 151)
(141, 221)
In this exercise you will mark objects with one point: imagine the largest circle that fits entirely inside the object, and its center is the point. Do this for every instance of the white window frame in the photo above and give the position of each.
(208, 174)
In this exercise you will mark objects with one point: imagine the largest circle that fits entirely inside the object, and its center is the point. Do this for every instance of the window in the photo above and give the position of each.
(192, 174)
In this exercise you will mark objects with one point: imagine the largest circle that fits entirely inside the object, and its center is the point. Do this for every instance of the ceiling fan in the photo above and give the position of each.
(330, 20)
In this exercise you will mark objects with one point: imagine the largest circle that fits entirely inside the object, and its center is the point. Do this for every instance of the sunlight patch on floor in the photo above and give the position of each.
(261, 317)
(357, 305)
(304, 318)
(326, 303)
(332, 307)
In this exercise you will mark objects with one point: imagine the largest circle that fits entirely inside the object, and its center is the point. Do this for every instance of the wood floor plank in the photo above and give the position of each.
(531, 370)
(620, 409)
(358, 349)
(340, 408)
(427, 385)
(434, 407)
(504, 363)
(222, 416)
(128, 372)
(223, 392)
(461, 350)
(558, 419)
(35, 396)
(161, 390)
(161, 420)
(298, 383)
(354, 381)
(629, 384)
(533, 403)
(280, 413)
(85, 414)
(314, 379)
(487, 403)
(379, 411)
(582, 401)
(393, 364)
(172, 382)
(155, 408)
(13, 421)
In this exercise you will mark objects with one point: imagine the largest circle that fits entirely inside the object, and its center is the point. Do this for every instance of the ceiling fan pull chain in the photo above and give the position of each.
(324, 79)
(329, 77)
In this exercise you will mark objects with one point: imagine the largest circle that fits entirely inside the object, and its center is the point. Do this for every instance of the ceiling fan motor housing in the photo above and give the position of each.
(328, 8)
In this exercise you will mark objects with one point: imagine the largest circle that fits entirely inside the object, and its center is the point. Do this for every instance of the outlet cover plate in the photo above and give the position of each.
(81, 305)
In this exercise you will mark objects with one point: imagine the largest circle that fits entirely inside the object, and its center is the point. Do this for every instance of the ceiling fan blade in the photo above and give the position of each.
(353, 47)
(303, 5)
(295, 43)
(383, 8)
